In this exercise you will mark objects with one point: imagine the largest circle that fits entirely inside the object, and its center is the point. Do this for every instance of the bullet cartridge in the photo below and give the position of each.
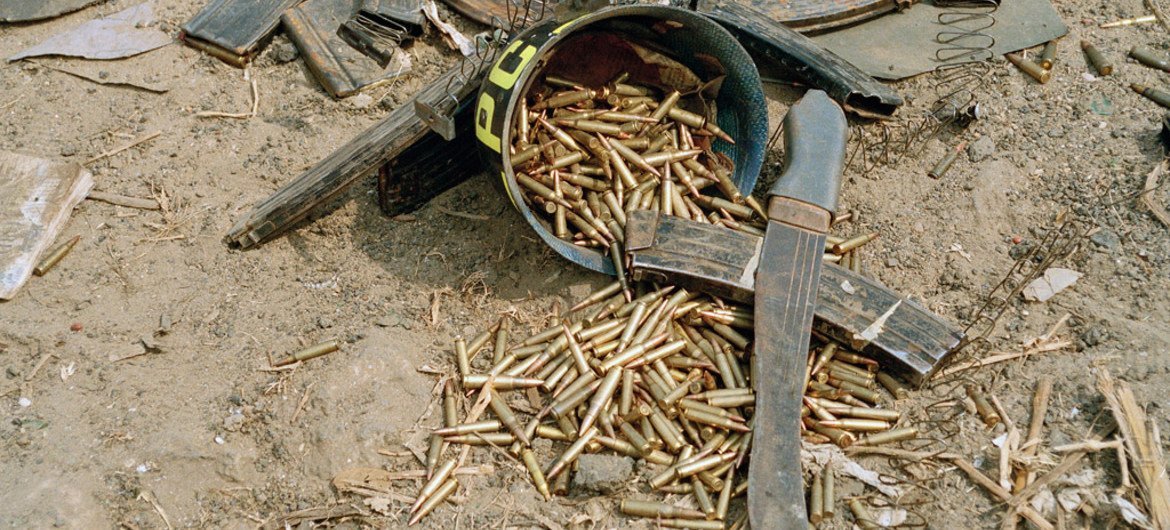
(657, 510)
(1100, 64)
(1048, 55)
(437, 479)
(55, 256)
(1028, 67)
(312, 352)
(1156, 95)
(1149, 58)
(437, 498)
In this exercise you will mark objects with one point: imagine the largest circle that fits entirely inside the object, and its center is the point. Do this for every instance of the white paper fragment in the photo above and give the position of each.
(889, 517)
(1054, 281)
(848, 287)
(24, 402)
(870, 478)
(828, 454)
(875, 329)
(1131, 513)
(68, 371)
(462, 43)
(998, 441)
(1044, 502)
(1069, 499)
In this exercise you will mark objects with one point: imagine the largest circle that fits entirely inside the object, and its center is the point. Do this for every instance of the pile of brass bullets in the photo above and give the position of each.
(585, 156)
(664, 378)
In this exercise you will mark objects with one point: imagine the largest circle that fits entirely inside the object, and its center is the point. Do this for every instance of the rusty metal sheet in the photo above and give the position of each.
(28, 10)
(907, 44)
(801, 15)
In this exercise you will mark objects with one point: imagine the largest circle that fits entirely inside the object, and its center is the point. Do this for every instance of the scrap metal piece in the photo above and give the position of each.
(812, 64)
(910, 43)
(26, 11)
(234, 31)
(122, 34)
(914, 342)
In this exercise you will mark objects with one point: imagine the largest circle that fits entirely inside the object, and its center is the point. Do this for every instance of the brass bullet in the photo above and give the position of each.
(685, 470)
(602, 398)
(986, 412)
(566, 459)
(947, 161)
(634, 158)
(54, 256)
(665, 106)
(435, 500)
(703, 498)
(856, 424)
(524, 155)
(853, 243)
(480, 439)
(724, 502)
(828, 496)
(892, 385)
(468, 428)
(1129, 21)
(716, 203)
(434, 452)
(714, 420)
(732, 401)
(312, 352)
(1100, 64)
(501, 382)
(690, 524)
(534, 470)
(551, 433)
(564, 99)
(1048, 55)
(839, 437)
(891, 436)
(861, 515)
(594, 298)
(1028, 67)
(816, 500)
(507, 417)
(436, 480)
(657, 510)
(450, 407)
(856, 390)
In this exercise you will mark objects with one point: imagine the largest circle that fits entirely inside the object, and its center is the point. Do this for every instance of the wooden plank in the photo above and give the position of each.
(38, 197)
(379, 144)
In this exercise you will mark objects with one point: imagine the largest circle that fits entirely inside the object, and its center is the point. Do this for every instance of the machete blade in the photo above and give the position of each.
(786, 288)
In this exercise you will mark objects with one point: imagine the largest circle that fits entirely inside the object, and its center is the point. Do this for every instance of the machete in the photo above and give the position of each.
(799, 208)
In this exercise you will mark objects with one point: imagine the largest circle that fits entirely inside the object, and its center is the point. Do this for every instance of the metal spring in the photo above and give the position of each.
(383, 31)
(966, 47)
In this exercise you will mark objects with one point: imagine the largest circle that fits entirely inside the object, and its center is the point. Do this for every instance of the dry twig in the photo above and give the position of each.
(1147, 196)
(237, 115)
(1140, 435)
(140, 140)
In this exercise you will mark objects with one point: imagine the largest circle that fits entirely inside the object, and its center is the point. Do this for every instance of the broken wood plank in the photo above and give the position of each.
(38, 197)
(377, 145)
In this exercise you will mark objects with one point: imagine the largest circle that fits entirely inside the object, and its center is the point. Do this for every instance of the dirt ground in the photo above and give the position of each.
(202, 427)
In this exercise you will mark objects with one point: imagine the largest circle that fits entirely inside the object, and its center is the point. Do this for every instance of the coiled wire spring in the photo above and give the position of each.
(965, 49)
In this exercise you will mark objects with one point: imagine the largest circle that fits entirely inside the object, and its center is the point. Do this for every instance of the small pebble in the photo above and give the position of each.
(75, 327)
(24, 402)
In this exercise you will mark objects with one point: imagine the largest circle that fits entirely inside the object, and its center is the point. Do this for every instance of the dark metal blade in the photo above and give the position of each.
(786, 289)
